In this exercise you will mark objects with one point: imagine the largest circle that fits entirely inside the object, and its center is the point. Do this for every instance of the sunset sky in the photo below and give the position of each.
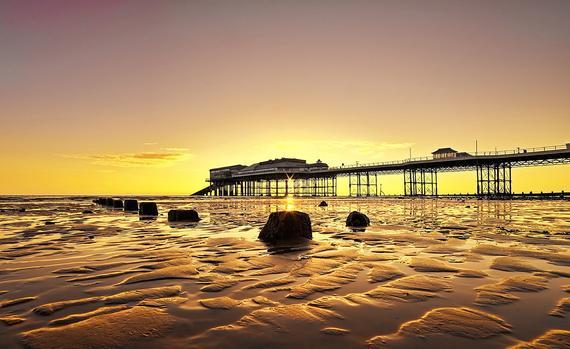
(143, 97)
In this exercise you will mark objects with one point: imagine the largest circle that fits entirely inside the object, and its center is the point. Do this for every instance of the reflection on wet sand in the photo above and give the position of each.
(427, 273)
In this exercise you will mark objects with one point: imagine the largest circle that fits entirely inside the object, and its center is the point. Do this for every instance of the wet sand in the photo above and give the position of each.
(426, 273)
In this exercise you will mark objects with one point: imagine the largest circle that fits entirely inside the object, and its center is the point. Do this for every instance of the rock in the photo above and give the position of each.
(117, 203)
(323, 204)
(357, 219)
(86, 211)
(22, 209)
(131, 205)
(183, 216)
(148, 209)
(108, 202)
(286, 225)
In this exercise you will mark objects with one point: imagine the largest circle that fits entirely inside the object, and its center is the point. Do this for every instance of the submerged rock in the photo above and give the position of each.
(357, 219)
(286, 225)
(183, 216)
(131, 205)
(148, 209)
(117, 203)
(323, 204)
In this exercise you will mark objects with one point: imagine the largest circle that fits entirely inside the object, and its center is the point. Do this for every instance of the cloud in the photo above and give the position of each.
(162, 157)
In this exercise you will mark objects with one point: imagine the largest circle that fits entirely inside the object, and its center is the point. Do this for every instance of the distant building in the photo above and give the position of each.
(283, 164)
(444, 153)
(225, 172)
(269, 166)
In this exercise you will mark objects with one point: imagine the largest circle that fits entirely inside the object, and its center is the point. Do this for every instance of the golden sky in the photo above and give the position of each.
(143, 97)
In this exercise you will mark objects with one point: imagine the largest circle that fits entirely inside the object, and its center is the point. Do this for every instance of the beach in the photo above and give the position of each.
(427, 273)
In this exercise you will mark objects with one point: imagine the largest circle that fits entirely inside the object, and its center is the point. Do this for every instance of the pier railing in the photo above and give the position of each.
(484, 153)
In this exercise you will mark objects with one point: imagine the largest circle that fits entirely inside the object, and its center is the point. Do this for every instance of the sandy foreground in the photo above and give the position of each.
(426, 273)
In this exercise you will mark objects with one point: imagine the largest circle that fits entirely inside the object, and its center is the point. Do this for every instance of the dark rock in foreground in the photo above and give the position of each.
(131, 205)
(87, 212)
(117, 203)
(183, 216)
(286, 225)
(323, 204)
(357, 219)
(148, 209)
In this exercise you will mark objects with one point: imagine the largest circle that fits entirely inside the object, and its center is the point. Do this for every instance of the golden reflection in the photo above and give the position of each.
(289, 203)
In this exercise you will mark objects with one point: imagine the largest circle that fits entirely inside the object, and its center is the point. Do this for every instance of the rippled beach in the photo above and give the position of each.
(426, 273)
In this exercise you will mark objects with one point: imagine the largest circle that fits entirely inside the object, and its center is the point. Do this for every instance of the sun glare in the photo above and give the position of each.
(289, 203)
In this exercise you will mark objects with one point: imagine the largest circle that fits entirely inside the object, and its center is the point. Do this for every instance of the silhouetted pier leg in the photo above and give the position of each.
(335, 186)
(494, 180)
(420, 181)
(363, 184)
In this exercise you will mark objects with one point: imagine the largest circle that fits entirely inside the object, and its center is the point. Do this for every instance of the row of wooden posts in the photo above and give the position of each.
(147, 209)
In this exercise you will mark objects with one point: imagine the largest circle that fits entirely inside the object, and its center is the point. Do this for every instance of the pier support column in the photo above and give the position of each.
(494, 180)
(420, 182)
(363, 184)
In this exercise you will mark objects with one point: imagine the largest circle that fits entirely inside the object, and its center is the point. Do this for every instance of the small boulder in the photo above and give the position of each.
(323, 204)
(183, 216)
(117, 203)
(131, 205)
(286, 225)
(148, 209)
(86, 211)
(357, 219)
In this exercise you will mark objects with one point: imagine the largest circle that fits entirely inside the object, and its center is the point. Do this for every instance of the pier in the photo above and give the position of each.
(295, 177)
